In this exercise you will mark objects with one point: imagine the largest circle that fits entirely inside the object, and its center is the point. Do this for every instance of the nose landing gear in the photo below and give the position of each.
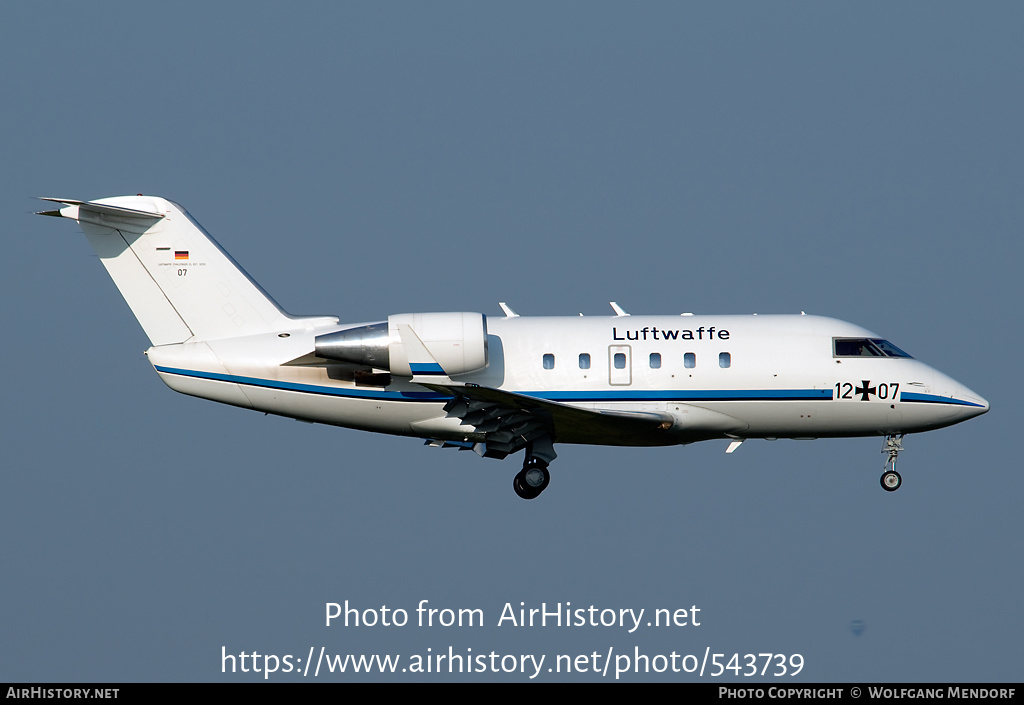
(891, 479)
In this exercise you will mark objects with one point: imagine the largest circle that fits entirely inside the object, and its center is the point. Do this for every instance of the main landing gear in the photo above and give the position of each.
(891, 479)
(534, 477)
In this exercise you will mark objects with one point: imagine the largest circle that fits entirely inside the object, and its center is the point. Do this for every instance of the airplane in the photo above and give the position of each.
(498, 385)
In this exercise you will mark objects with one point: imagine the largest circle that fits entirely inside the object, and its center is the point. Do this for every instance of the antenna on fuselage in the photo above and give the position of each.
(509, 313)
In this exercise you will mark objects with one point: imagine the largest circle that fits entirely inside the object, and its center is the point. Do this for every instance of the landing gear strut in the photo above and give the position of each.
(891, 479)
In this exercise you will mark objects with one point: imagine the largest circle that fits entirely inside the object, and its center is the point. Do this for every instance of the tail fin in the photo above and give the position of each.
(176, 279)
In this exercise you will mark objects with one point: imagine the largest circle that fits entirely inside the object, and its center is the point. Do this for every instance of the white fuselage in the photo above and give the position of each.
(503, 385)
(767, 376)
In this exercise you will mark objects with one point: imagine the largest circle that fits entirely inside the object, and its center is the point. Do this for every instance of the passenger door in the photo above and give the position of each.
(620, 365)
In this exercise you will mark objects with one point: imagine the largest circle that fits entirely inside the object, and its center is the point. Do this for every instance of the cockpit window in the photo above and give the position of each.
(888, 348)
(866, 347)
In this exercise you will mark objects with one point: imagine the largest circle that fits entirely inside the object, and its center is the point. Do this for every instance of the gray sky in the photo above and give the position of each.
(863, 162)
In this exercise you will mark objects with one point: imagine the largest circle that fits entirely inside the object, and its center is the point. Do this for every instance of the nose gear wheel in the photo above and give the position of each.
(891, 479)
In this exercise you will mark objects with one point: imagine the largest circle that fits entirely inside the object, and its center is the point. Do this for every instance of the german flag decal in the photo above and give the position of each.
(180, 254)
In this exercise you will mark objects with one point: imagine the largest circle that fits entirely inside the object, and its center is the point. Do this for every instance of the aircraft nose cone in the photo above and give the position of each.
(975, 404)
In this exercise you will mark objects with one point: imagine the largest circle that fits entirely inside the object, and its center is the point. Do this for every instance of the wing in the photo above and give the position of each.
(511, 421)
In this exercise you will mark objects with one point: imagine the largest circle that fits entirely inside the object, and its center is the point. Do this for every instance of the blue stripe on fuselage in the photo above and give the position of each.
(567, 396)
(933, 399)
(625, 395)
(307, 388)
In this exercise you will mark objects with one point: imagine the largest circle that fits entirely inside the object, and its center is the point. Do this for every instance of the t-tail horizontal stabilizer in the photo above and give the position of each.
(89, 211)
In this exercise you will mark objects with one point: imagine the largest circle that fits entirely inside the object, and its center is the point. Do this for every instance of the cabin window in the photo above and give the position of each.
(584, 361)
(619, 360)
(724, 359)
(655, 361)
(689, 360)
(549, 361)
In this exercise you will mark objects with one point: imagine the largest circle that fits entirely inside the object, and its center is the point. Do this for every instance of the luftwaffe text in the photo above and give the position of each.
(655, 333)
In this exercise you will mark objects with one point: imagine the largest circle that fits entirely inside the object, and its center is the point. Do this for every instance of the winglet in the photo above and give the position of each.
(618, 309)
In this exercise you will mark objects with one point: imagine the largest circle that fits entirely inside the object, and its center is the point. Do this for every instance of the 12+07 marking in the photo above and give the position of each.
(848, 390)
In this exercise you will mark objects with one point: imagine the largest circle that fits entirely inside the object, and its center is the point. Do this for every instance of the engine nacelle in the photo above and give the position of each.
(456, 341)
